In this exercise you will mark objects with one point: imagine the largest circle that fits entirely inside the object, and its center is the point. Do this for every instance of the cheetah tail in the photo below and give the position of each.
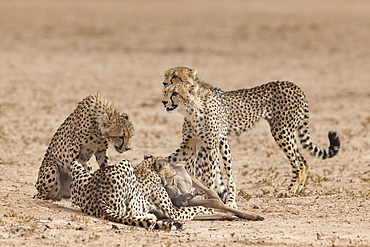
(147, 221)
(304, 136)
(166, 225)
(331, 151)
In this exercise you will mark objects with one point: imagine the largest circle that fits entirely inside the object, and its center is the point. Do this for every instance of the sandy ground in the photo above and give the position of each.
(55, 53)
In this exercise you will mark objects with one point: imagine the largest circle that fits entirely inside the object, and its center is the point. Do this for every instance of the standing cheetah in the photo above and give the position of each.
(212, 114)
(86, 132)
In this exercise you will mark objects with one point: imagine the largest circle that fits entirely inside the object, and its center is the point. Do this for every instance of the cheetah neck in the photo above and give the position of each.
(196, 102)
(202, 84)
(198, 105)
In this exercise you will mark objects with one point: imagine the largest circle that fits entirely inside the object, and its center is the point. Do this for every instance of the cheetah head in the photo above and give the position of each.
(118, 130)
(180, 74)
(180, 88)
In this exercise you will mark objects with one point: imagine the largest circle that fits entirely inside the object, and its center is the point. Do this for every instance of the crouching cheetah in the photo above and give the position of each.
(212, 114)
(86, 132)
(128, 195)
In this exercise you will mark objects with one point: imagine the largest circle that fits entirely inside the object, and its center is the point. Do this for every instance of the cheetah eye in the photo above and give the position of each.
(175, 93)
(174, 77)
(165, 84)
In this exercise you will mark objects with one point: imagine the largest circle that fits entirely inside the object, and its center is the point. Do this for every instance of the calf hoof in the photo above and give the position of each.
(260, 218)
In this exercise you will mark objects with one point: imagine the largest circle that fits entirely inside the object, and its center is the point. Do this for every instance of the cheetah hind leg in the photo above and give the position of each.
(48, 183)
(287, 143)
(304, 174)
(299, 178)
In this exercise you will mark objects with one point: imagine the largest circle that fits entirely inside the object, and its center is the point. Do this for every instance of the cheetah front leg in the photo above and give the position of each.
(102, 159)
(227, 172)
(187, 148)
(212, 176)
(186, 153)
(101, 156)
(208, 170)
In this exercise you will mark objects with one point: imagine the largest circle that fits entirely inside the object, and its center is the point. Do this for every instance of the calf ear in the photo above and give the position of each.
(194, 73)
(158, 165)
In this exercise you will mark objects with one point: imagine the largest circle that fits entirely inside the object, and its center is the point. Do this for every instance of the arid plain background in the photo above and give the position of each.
(55, 53)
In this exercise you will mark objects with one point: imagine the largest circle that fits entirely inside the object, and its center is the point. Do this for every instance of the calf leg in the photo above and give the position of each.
(213, 201)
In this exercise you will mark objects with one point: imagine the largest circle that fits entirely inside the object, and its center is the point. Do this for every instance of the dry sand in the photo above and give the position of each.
(55, 53)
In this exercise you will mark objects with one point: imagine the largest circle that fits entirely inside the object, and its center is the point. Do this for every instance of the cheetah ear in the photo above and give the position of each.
(194, 88)
(124, 115)
(104, 120)
(194, 73)
(147, 156)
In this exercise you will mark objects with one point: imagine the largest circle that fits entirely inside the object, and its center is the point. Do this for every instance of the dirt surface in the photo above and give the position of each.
(55, 53)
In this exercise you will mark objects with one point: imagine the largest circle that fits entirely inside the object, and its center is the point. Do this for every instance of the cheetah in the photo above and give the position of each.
(87, 131)
(130, 195)
(211, 115)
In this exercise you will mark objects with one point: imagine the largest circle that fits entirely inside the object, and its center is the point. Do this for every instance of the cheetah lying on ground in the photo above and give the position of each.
(128, 195)
(212, 114)
(86, 132)
(135, 195)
